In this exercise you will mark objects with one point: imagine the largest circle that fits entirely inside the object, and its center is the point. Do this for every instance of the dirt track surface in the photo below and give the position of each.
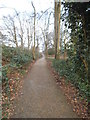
(41, 97)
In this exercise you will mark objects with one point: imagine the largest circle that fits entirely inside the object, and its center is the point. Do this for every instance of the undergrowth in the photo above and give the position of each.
(67, 69)
(14, 64)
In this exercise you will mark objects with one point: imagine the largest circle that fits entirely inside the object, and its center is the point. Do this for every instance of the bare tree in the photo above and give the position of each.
(34, 29)
(21, 29)
(10, 28)
(28, 29)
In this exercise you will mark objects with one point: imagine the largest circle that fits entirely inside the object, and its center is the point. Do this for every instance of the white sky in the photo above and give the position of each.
(24, 5)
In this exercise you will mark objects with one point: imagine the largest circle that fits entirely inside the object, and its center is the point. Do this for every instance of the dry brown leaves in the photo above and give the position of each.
(15, 84)
(79, 105)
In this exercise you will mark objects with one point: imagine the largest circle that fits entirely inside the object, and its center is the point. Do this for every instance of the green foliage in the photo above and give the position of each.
(4, 73)
(15, 61)
(0, 73)
(77, 66)
(21, 58)
(51, 51)
(67, 69)
(15, 58)
(79, 42)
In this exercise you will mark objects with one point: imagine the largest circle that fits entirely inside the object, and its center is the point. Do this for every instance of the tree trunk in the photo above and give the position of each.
(65, 50)
(34, 39)
(57, 28)
(34, 30)
(46, 50)
(21, 34)
(46, 46)
(28, 38)
(61, 43)
(45, 42)
(15, 37)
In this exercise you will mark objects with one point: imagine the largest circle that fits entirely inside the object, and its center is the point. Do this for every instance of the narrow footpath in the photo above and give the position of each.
(41, 97)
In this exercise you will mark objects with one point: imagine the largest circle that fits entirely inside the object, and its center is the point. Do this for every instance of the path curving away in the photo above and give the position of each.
(42, 98)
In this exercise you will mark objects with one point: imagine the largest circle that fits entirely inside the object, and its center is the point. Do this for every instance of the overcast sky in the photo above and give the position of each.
(24, 6)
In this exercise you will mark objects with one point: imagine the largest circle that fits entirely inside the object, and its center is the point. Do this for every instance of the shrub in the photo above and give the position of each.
(67, 69)
(14, 58)
(16, 55)
(4, 73)
(51, 51)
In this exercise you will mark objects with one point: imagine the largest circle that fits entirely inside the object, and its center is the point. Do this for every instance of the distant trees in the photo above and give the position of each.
(20, 29)
(10, 28)
(17, 29)
(45, 30)
(45, 41)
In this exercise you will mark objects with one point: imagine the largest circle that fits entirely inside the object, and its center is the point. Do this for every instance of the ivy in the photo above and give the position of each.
(67, 69)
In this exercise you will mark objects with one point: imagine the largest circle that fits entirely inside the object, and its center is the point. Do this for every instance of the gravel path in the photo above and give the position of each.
(42, 98)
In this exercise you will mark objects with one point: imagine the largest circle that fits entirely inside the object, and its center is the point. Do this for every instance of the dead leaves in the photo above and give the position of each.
(9, 96)
(79, 105)
(11, 90)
